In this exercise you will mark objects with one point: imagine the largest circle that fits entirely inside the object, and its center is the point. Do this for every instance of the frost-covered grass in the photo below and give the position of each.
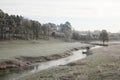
(104, 64)
(11, 49)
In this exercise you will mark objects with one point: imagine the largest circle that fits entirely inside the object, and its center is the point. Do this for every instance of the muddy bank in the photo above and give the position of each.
(24, 61)
(99, 44)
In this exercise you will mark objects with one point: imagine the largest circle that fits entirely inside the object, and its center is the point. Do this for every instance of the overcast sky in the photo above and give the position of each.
(82, 14)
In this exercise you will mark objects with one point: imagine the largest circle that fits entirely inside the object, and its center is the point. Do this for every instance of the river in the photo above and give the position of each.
(14, 74)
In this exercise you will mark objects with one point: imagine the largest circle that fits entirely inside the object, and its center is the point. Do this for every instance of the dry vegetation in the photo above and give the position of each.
(104, 64)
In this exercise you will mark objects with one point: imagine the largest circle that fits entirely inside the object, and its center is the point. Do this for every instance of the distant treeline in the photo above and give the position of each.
(14, 27)
(18, 27)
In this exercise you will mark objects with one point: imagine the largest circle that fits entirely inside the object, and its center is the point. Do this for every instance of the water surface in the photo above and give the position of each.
(15, 74)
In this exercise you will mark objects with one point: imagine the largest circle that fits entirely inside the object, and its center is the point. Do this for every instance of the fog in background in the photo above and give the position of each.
(82, 14)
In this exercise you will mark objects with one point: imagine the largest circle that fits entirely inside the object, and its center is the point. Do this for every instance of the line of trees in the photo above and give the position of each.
(91, 36)
(18, 27)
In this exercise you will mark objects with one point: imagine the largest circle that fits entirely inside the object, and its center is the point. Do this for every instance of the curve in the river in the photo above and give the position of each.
(77, 55)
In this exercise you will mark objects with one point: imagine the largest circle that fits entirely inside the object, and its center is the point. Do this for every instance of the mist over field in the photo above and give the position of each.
(59, 40)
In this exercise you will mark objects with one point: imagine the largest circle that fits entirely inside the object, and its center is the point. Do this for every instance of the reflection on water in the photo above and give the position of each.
(13, 74)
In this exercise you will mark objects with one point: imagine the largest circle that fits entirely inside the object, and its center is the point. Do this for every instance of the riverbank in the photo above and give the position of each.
(104, 64)
(15, 54)
(24, 61)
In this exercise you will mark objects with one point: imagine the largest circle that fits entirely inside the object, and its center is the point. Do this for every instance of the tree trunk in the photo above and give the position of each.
(103, 42)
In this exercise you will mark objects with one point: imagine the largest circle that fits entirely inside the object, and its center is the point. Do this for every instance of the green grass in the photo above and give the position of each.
(104, 64)
(11, 49)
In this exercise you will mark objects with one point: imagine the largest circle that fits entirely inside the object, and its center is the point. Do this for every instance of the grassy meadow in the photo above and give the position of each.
(104, 64)
(11, 49)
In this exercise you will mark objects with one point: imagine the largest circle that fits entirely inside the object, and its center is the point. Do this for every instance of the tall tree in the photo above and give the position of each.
(2, 24)
(11, 25)
(36, 28)
(46, 31)
(66, 29)
(104, 36)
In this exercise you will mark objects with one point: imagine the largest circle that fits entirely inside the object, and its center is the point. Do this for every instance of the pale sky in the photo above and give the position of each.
(82, 14)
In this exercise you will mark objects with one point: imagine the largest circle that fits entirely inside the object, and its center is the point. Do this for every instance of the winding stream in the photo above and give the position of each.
(15, 74)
